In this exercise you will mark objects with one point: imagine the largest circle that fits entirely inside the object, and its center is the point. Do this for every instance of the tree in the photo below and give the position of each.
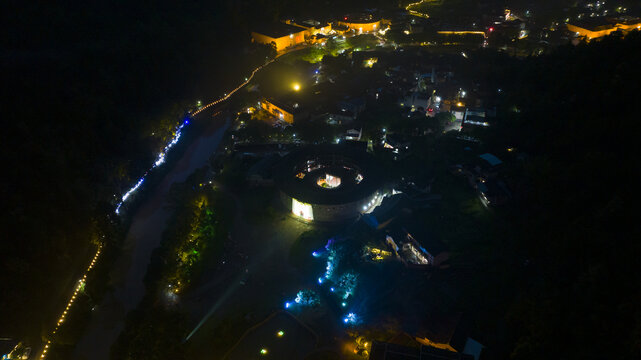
(442, 120)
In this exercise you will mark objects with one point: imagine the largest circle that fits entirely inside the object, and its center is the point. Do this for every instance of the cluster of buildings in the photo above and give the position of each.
(332, 183)
(291, 33)
(422, 89)
(437, 333)
(502, 25)
(290, 109)
(336, 183)
(430, 87)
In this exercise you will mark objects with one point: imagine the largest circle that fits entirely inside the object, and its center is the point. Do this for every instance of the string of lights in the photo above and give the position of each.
(227, 96)
(161, 157)
(77, 289)
(159, 161)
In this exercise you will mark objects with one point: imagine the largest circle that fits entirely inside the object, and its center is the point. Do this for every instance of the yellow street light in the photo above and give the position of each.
(296, 86)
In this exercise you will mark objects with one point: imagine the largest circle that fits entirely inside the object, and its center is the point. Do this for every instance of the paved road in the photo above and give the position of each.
(143, 237)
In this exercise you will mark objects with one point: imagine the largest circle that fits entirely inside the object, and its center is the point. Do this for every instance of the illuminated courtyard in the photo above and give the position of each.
(330, 183)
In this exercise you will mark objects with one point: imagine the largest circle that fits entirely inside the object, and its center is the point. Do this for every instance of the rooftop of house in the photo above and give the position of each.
(340, 27)
(391, 207)
(277, 30)
(360, 18)
(390, 351)
(594, 24)
(426, 240)
(314, 23)
(397, 140)
(491, 159)
(628, 20)
(443, 328)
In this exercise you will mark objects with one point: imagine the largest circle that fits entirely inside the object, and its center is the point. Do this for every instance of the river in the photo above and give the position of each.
(144, 235)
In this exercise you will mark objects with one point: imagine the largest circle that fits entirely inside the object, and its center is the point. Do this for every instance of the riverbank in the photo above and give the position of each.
(144, 235)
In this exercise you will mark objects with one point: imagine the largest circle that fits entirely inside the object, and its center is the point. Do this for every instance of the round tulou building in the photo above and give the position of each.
(329, 183)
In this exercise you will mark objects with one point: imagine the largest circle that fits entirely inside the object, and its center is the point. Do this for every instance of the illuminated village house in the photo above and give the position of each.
(284, 111)
(360, 24)
(416, 248)
(599, 27)
(313, 27)
(281, 35)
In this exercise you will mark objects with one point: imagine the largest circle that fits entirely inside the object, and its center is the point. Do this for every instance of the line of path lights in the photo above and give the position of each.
(414, 12)
(228, 95)
(79, 287)
(159, 161)
(161, 157)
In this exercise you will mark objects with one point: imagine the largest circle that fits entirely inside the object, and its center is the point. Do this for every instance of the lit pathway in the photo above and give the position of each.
(417, 13)
(227, 96)
(143, 236)
(98, 339)
(78, 287)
